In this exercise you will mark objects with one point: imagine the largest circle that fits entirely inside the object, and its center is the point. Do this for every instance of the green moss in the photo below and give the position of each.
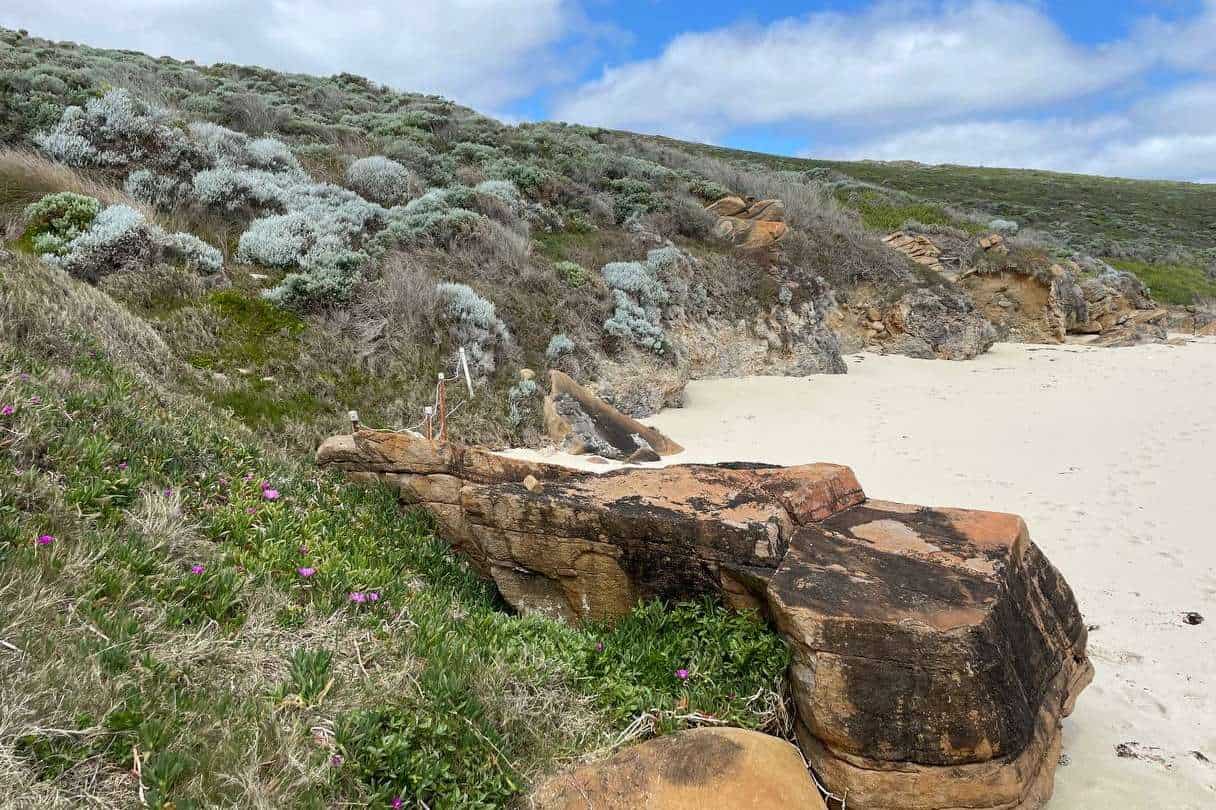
(1171, 283)
(253, 332)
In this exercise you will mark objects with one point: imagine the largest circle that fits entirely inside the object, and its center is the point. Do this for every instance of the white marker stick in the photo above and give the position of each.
(464, 364)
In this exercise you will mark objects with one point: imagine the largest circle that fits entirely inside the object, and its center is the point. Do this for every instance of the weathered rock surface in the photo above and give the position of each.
(919, 249)
(583, 423)
(748, 223)
(719, 768)
(935, 650)
(938, 322)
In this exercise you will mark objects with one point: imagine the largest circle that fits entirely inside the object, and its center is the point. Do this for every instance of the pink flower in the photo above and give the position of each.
(358, 597)
(249, 510)
(396, 803)
(682, 674)
(270, 494)
(35, 400)
(249, 476)
(122, 466)
(45, 539)
(373, 596)
(197, 568)
(306, 572)
(336, 760)
(7, 410)
(599, 646)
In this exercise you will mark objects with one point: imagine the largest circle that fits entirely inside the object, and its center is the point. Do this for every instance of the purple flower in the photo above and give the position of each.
(249, 476)
(265, 485)
(682, 674)
(306, 572)
(168, 492)
(396, 803)
(23, 377)
(358, 597)
(35, 400)
(336, 760)
(270, 494)
(373, 596)
(7, 410)
(197, 568)
(45, 539)
(122, 466)
(599, 646)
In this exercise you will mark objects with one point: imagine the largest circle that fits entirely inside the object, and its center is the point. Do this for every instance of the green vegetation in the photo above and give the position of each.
(234, 624)
(1172, 283)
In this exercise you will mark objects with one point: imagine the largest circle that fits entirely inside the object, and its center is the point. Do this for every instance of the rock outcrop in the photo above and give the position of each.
(720, 768)
(583, 423)
(748, 223)
(919, 249)
(935, 650)
(938, 322)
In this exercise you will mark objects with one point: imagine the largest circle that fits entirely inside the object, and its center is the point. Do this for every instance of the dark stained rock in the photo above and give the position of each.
(935, 651)
(719, 768)
(584, 423)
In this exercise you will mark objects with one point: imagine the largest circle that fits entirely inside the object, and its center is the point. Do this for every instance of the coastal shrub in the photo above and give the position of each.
(573, 274)
(381, 180)
(57, 219)
(518, 401)
(636, 279)
(474, 324)
(559, 345)
(707, 190)
(119, 131)
(119, 239)
(155, 188)
(529, 179)
(631, 323)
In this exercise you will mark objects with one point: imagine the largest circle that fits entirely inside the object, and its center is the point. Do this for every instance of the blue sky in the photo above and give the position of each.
(1123, 87)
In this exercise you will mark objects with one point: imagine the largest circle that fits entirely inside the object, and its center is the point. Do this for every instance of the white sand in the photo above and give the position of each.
(1107, 453)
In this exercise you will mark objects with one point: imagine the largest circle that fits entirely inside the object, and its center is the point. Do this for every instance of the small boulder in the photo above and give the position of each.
(720, 768)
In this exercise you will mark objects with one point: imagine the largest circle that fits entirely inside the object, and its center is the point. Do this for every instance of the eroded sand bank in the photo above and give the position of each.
(1109, 454)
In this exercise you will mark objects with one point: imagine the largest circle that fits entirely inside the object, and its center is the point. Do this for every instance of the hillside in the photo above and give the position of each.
(205, 267)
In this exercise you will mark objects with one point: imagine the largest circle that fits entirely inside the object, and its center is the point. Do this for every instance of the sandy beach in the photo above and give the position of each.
(1107, 454)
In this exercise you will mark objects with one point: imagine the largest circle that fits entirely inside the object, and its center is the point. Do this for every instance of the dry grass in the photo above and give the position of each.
(26, 177)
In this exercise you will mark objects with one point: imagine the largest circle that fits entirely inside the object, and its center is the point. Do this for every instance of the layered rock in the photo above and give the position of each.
(749, 223)
(919, 249)
(583, 423)
(935, 650)
(723, 768)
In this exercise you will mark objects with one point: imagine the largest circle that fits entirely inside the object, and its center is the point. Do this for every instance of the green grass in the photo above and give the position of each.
(253, 332)
(1171, 283)
(168, 623)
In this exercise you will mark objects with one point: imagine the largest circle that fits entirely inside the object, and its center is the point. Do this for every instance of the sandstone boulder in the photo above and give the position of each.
(720, 768)
(919, 249)
(748, 223)
(935, 651)
(583, 423)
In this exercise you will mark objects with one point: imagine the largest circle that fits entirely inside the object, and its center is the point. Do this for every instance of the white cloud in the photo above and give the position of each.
(480, 52)
(886, 64)
(1172, 136)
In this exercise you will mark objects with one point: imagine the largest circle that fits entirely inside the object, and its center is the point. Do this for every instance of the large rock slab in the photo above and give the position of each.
(935, 651)
(748, 223)
(720, 768)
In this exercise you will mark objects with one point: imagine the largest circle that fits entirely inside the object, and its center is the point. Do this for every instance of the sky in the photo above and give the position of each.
(1117, 87)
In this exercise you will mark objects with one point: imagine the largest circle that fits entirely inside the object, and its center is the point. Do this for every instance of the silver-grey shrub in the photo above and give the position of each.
(382, 180)
(559, 345)
(474, 324)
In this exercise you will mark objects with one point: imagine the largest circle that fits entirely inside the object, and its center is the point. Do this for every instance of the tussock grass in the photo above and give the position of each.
(1182, 284)
(26, 177)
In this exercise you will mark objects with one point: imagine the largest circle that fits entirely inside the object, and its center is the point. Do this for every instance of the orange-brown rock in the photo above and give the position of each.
(750, 224)
(935, 651)
(919, 249)
(700, 769)
(583, 423)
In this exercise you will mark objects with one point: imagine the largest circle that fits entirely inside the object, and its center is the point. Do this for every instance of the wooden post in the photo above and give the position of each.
(427, 422)
(443, 411)
(354, 421)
